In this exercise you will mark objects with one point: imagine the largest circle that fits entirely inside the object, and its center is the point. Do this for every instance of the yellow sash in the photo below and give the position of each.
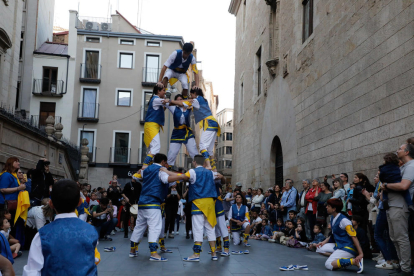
(204, 124)
(186, 134)
(206, 205)
(23, 202)
(151, 130)
(97, 256)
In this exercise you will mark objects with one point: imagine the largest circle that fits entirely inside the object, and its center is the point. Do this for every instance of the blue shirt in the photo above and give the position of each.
(289, 198)
(7, 180)
(380, 205)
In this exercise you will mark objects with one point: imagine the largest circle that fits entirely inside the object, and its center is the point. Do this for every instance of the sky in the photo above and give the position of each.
(207, 23)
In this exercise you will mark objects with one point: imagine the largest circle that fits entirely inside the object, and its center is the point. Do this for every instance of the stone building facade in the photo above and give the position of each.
(321, 87)
(224, 144)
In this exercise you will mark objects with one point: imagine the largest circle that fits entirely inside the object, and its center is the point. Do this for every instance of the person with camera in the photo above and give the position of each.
(171, 208)
(100, 220)
(114, 193)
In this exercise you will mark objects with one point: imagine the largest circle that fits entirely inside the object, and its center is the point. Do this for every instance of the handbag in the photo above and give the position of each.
(10, 205)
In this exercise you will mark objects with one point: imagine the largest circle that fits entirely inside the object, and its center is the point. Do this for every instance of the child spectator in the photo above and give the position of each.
(300, 220)
(114, 178)
(299, 238)
(85, 194)
(349, 193)
(362, 236)
(390, 173)
(278, 231)
(319, 237)
(292, 216)
(14, 244)
(123, 211)
(67, 244)
(104, 195)
(93, 201)
(266, 232)
(289, 232)
(276, 213)
(262, 208)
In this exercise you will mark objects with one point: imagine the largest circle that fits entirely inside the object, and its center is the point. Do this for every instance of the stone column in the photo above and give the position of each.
(83, 173)
(58, 132)
(50, 129)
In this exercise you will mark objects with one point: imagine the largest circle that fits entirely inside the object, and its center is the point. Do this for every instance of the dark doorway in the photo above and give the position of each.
(277, 157)
(46, 110)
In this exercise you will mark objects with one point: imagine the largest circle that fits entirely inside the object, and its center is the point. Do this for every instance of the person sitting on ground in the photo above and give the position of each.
(299, 238)
(319, 237)
(100, 220)
(14, 244)
(292, 216)
(278, 231)
(300, 220)
(68, 244)
(289, 232)
(362, 237)
(266, 232)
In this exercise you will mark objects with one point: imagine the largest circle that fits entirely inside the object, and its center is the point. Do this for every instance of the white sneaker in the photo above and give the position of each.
(271, 240)
(385, 265)
(378, 257)
(380, 261)
(113, 232)
(172, 232)
(177, 233)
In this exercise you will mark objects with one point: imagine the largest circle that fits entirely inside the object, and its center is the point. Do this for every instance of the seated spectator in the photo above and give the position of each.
(67, 244)
(289, 232)
(319, 237)
(362, 237)
(93, 201)
(256, 220)
(292, 216)
(300, 220)
(266, 231)
(275, 213)
(278, 231)
(100, 220)
(85, 194)
(14, 244)
(299, 238)
(38, 216)
(114, 214)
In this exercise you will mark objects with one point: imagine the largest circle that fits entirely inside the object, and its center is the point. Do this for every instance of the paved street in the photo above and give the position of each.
(264, 259)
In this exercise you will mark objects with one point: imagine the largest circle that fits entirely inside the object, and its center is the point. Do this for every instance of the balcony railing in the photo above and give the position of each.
(120, 155)
(36, 121)
(142, 153)
(92, 154)
(88, 112)
(150, 76)
(144, 110)
(90, 73)
(48, 88)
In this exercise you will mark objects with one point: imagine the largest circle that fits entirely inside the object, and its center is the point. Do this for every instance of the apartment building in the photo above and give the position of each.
(224, 145)
(117, 66)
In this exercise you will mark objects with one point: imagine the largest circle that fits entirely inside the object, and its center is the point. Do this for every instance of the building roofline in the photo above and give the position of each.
(61, 33)
(132, 35)
(234, 6)
(117, 12)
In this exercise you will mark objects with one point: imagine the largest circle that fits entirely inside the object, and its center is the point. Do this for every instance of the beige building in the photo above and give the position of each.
(117, 66)
(321, 87)
(224, 145)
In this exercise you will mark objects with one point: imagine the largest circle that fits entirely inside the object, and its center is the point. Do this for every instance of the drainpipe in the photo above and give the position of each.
(67, 75)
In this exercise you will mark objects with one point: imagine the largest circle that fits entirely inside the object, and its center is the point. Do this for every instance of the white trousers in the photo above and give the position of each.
(236, 235)
(207, 140)
(155, 145)
(221, 227)
(200, 223)
(182, 77)
(336, 254)
(152, 218)
(162, 228)
(175, 149)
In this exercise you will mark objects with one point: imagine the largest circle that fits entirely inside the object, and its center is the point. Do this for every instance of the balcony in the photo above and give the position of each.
(92, 155)
(144, 110)
(48, 88)
(142, 154)
(39, 122)
(88, 112)
(119, 155)
(150, 76)
(90, 73)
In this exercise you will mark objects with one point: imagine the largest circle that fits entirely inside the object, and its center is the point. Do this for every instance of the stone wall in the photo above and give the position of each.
(338, 102)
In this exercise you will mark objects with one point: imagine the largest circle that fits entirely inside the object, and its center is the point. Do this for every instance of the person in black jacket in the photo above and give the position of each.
(131, 194)
(171, 209)
(359, 201)
(42, 182)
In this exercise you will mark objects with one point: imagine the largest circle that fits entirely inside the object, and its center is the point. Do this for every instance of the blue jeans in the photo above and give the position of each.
(105, 228)
(382, 237)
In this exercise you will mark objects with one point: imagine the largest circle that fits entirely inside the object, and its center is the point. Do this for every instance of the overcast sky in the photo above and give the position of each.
(207, 23)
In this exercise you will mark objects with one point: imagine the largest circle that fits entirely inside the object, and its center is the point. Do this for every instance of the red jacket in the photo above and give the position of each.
(309, 198)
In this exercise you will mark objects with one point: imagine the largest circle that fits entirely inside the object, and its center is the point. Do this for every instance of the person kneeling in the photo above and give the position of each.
(343, 243)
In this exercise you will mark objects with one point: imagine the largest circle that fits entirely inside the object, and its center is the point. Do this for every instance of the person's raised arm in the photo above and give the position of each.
(160, 84)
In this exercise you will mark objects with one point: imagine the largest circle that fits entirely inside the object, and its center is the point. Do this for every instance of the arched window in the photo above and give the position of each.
(5, 42)
(277, 156)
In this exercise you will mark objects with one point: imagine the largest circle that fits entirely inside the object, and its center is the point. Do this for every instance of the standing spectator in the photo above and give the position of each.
(359, 201)
(338, 190)
(10, 189)
(249, 198)
(42, 182)
(278, 194)
(228, 201)
(171, 208)
(114, 193)
(288, 201)
(322, 197)
(131, 194)
(301, 204)
(311, 208)
(257, 200)
(398, 214)
(187, 211)
(344, 178)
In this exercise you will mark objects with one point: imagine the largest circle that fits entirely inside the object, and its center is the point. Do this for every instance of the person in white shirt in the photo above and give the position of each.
(39, 215)
(257, 200)
(176, 67)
